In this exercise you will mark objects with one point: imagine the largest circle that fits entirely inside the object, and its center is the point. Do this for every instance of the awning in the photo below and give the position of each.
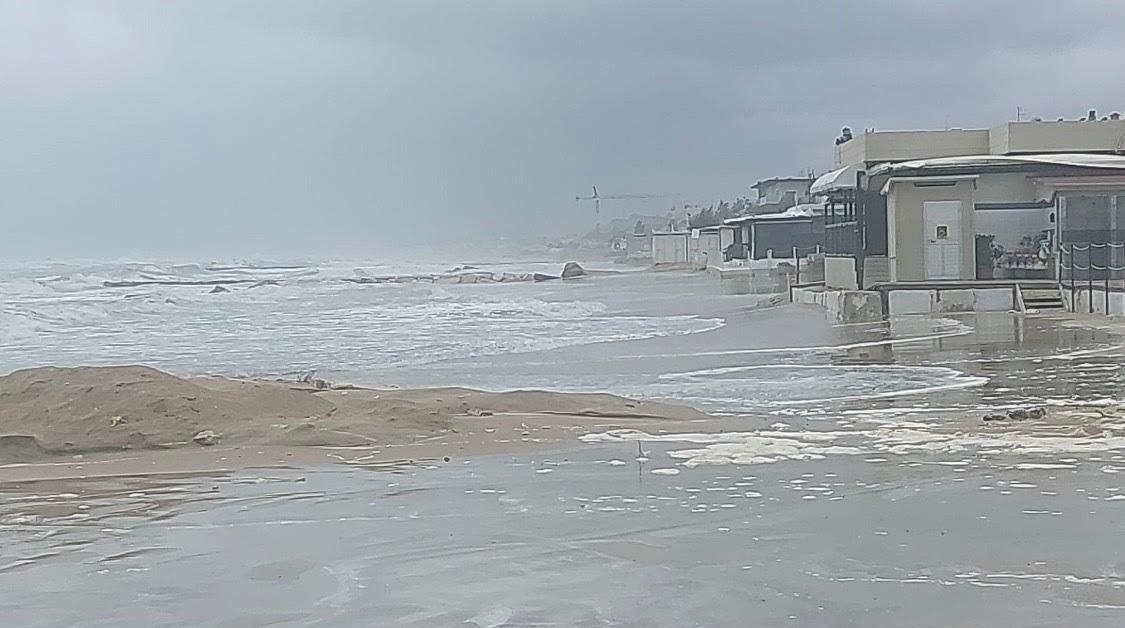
(1075, 160)
(842, 179)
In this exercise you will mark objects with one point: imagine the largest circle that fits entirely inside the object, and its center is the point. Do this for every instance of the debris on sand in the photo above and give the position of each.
(1019, 414)
(478, 412)
(207, 438)
(310, 378)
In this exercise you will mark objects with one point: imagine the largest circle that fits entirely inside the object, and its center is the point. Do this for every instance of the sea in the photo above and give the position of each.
(277, 319)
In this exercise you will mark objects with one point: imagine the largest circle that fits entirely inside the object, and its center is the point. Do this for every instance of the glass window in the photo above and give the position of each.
(1014, 243)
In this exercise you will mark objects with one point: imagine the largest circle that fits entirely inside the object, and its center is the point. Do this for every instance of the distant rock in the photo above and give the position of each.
(218, 290)
(542, 277)
(572, 270)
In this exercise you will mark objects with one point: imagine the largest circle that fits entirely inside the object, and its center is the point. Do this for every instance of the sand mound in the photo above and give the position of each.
(47, 411)
(134, 407)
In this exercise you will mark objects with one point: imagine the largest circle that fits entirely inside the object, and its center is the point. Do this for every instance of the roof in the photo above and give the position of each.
(841, 179)
(796, 213)
(765, 182)
(1074, 160)
(714, 228)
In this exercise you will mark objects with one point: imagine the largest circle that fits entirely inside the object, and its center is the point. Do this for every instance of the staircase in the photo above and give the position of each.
(1041, 300)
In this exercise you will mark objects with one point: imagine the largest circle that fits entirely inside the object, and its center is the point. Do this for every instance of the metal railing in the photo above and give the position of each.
(1090, 266)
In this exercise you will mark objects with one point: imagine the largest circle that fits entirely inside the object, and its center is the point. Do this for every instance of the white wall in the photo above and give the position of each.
(670, 248)
(1069, 136)
(905, 237)
(883, 146)
(839, 273)
(706, 249)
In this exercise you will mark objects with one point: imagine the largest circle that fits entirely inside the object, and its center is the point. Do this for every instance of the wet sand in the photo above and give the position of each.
(128, 420)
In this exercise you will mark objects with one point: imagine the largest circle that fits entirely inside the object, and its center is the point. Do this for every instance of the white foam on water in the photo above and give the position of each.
(766, 446)
(960, 331)
(787, 386)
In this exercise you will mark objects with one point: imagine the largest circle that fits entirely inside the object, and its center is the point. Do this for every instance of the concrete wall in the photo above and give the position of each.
(638, 243)
(1083, 298)
(839, 273)
(884, 146)
(1057, 137)
(905, 228)
(726, 237)
(903, 302)
(706, 249)
(670, 248)
(876, 270)
(843, 306)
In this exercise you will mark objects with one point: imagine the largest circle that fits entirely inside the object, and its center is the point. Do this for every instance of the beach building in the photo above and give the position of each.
(760, 236)
(1006, 203)
(670, 247)
(779, 194)
(701, 247)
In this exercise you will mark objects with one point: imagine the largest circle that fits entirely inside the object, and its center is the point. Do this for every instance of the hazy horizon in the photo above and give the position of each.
(277, 128)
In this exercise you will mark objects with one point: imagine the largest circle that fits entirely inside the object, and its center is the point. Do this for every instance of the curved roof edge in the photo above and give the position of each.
(1077, 160)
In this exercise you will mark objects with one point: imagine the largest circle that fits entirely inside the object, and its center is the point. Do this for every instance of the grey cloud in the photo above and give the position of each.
(213, 127)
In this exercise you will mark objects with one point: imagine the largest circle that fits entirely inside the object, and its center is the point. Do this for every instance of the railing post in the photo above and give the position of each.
(1090, 277)
(797, 264)
(1073, 289)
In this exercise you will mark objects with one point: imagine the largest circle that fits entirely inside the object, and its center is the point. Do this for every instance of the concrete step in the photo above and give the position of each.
(1043, 299)
(1049, 305)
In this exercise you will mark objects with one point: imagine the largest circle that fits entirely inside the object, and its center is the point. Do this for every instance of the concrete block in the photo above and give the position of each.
(994, 300)
(861, 307)
(946, 301)
(911, 302)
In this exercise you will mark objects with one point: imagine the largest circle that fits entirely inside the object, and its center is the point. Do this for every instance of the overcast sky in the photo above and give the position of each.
(227, 128)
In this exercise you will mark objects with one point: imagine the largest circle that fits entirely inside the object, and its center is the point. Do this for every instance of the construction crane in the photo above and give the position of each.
(597, 198)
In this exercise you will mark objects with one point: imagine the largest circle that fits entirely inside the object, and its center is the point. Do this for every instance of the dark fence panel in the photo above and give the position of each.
(843, 238)
(875, 222)
(1094, 267)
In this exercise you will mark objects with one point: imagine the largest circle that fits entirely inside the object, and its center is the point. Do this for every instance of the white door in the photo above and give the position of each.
(942, 220)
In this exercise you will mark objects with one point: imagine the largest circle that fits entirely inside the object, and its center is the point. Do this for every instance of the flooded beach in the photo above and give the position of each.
(501, 314)
(846, 477)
